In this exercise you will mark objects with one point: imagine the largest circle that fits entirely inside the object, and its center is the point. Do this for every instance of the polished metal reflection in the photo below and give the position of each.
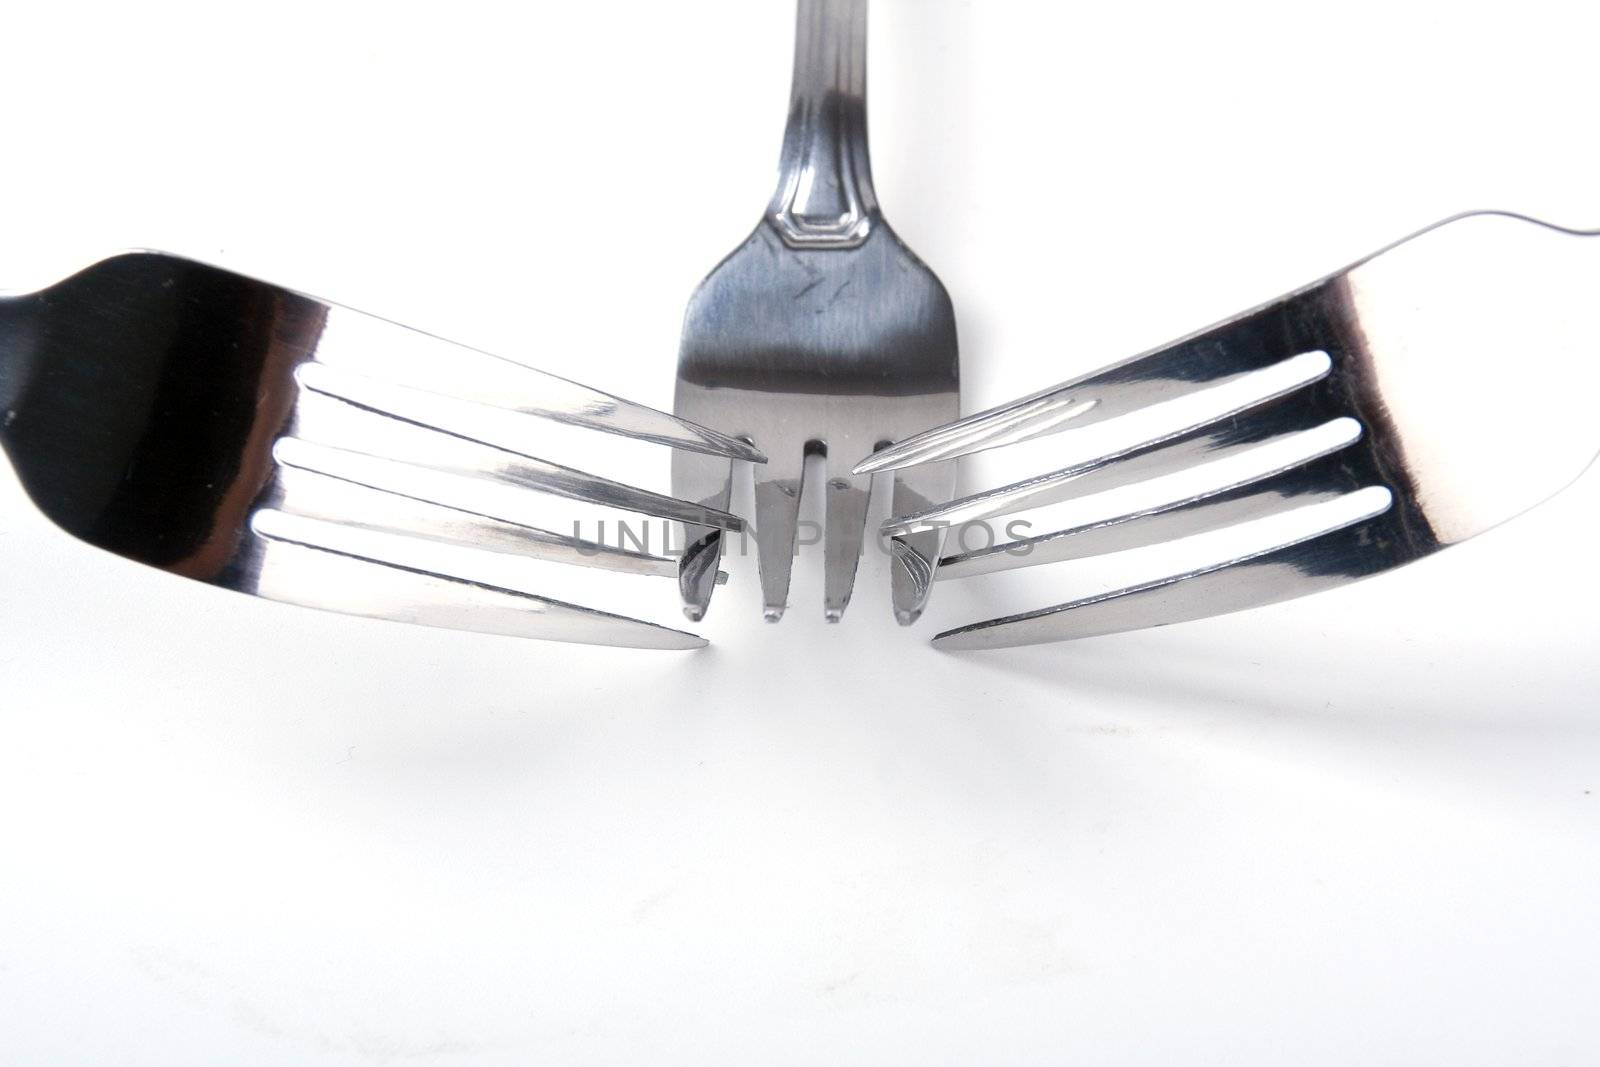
(822, 333)
(158, 408)
(1454, 379)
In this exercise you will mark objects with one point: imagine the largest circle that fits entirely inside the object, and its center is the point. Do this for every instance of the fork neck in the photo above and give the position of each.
(825, 197)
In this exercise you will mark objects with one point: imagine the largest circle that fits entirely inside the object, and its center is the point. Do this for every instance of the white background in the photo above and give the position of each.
(1362, 827)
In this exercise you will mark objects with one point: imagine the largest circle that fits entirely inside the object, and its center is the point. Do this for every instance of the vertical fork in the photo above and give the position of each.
(821, 334)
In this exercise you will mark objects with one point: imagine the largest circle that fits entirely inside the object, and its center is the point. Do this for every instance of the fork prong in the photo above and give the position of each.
(358, 343)
(445, 415)
(847, 496)
(915, 556)
(1229, 350)
(706, 480)
(1313, 479)
(1260, 422)
(777, 500)
(359, 577)
(569, 402)
(524, 472)
(452, 510)
(407, 515)
(1356, 548)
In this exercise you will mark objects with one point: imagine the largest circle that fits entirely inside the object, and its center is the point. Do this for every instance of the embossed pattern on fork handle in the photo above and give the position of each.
(825, 197)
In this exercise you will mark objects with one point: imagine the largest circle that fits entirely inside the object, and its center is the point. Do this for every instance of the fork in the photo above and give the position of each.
(241, 434)
(822, 334)
(1433, 390)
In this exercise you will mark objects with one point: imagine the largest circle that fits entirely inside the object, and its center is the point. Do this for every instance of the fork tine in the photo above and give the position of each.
(453, 418)
(1356, 548)
(356, 343)
(705, 480)
(452, 511)
(777, 500)
(1259, 422)
(1214, 356)
(579, 405)
(1325, 476)
(525, 472)
(916, 555)
(524, 542)
(390, 589)
(847, 497)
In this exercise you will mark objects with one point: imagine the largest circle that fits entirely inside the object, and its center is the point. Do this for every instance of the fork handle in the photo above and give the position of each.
(825, 197)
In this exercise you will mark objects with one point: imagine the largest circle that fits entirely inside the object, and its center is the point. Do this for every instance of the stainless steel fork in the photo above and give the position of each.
(822, 333)
(245, 435)
(1438, 388)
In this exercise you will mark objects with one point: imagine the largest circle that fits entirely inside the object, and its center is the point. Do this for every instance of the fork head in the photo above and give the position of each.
(822, 334)
(248, 436)
(1390, 382)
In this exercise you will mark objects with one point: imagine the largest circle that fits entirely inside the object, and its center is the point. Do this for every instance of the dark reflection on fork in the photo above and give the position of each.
(141, 424)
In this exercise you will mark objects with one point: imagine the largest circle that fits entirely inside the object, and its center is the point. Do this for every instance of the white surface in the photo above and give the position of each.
(1356, 828)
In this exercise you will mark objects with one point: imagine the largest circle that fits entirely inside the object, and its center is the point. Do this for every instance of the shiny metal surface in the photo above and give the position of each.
(821, 334)
(1450, 377)
(254, 438)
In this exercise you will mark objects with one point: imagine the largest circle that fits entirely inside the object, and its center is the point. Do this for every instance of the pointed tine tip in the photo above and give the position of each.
(440, 410)
(1018, 420)
(730, 446)
(936, 442)
(584, 405)
(907, 616)
(975, 636)
(673, 508)
(694, 612)
(675, 431)
(687, 642)
(960, 639)
(657, 505)
(887, 459)
(921, 522)
(873, 464)
(950, 441)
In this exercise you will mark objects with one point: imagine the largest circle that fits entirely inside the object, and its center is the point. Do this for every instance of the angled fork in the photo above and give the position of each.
(821, 334)
(248, 436)
(1439, 388)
